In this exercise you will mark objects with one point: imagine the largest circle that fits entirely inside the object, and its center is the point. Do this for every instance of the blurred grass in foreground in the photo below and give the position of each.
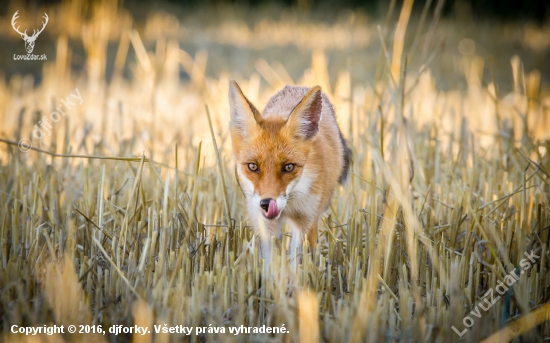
(449, 187)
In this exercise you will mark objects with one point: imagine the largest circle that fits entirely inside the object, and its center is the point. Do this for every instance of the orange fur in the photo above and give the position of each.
(298, 126)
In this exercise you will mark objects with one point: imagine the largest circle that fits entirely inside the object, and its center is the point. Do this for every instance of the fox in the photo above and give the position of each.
(289, 160)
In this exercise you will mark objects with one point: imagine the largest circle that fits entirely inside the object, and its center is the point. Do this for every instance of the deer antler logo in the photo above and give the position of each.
(29, 41)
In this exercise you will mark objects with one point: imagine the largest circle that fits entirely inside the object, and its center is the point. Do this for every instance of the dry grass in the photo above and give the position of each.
(448, 190)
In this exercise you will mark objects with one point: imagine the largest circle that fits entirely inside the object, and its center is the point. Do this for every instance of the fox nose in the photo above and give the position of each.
(264, 204)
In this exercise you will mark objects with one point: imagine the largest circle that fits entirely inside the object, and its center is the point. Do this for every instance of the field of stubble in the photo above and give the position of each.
(126, 210)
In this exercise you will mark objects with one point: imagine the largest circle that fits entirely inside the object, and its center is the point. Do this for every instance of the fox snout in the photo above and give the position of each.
(270, 208)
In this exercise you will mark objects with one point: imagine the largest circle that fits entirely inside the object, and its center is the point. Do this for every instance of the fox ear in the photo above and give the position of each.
(244, 115)
(304, 118)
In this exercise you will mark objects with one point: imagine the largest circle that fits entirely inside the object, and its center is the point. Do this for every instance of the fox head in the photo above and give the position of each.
(272, 151)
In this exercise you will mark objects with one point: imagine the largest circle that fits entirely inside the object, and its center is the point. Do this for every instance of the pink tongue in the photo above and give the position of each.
(272, 211)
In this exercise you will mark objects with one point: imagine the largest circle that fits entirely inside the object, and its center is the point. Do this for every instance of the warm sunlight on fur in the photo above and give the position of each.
(156, 200)
(289, 159)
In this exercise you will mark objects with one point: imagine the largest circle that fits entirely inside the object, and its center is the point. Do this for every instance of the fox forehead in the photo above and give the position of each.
(271, 149)
(284, 101)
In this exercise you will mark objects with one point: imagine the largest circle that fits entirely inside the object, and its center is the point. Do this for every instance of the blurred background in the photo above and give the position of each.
(445, 105)
(171, 57)
(236, 34)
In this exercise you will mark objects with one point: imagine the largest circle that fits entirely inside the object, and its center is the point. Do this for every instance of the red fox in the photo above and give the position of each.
(289, 159)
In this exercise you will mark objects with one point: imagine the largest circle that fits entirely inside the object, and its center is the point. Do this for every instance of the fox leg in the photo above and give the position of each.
(264, 231)
(268, 231)
(297, 241)
(312, 239)
(295, 244)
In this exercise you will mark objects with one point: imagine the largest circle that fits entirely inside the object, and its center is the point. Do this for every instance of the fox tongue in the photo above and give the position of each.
(272, 211)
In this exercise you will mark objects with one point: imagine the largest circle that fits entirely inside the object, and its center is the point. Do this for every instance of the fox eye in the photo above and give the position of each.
(288, 168)
(253, 167)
